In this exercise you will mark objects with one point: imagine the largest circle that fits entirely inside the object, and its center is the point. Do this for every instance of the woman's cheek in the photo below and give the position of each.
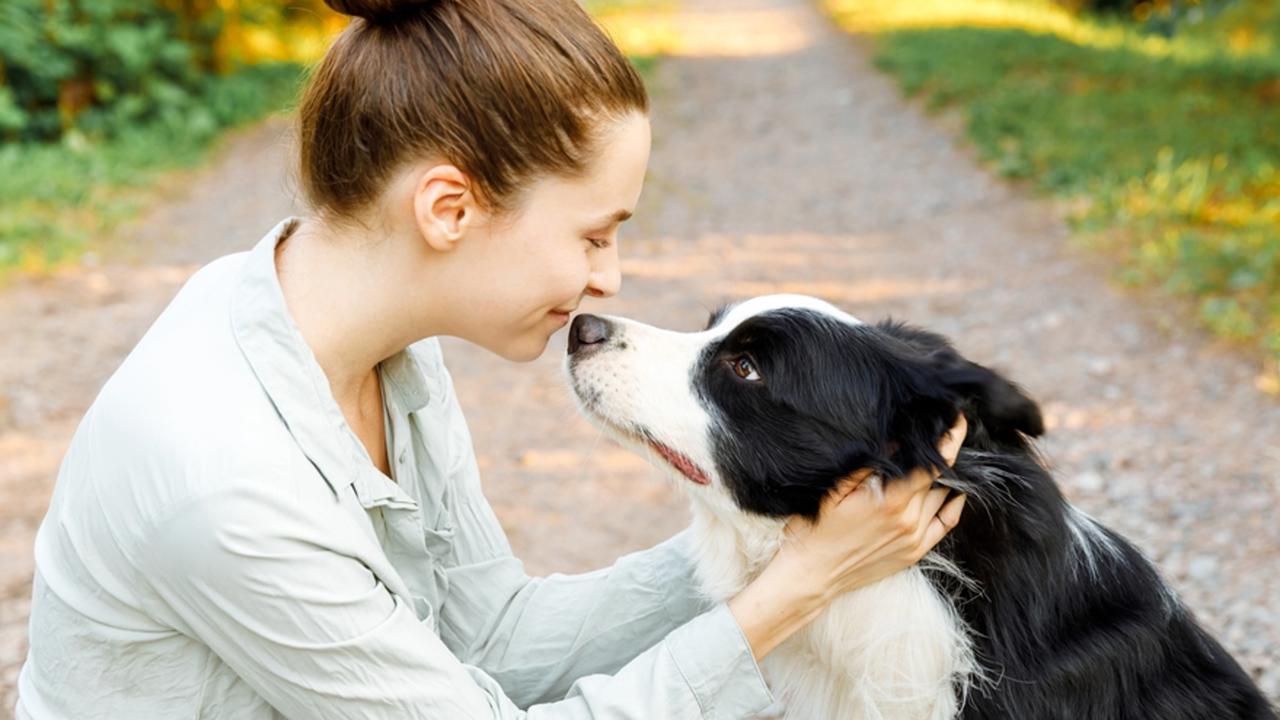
(571, 281)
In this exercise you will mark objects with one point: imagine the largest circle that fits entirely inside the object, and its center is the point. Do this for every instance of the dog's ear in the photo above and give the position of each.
(999, 413)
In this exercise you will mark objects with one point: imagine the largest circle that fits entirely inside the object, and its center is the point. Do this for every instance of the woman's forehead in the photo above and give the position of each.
(609, 189)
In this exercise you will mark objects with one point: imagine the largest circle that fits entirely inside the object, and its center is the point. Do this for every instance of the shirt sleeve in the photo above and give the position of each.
(536, 636)
(253, 574)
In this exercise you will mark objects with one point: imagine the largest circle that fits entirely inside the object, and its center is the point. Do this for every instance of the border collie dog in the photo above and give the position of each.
(1028, 610)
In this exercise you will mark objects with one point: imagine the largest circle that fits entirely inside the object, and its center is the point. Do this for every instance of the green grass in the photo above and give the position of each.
(1169, 150)
(56, 198)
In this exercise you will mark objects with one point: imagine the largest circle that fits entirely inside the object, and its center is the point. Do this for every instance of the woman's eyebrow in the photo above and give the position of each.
(616, 216)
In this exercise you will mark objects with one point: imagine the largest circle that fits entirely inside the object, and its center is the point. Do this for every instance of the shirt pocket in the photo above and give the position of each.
(439, 542)
(426, 613)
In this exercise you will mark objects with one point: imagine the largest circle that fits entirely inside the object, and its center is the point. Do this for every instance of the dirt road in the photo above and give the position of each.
(785, 163)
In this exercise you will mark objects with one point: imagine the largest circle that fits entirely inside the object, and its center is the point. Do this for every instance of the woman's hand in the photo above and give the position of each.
(857, 539)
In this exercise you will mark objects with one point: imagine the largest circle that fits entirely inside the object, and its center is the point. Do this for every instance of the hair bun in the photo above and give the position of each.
(378, 10)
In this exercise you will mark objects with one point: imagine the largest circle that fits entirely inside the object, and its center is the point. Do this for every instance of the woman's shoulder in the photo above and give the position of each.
(187, 368)
(186, 395)
(146, 449)
(185, 427)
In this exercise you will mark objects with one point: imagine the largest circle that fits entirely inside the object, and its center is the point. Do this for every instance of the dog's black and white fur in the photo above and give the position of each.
(1029, 609)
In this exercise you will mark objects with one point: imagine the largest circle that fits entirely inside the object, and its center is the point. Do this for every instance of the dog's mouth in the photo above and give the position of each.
(680, 462)
(670, 455)
(588, 401)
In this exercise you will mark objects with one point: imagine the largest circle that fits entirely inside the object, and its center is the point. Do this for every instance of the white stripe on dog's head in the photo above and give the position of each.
(730, 316)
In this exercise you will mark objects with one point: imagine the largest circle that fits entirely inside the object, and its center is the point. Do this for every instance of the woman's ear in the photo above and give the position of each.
(444, 206)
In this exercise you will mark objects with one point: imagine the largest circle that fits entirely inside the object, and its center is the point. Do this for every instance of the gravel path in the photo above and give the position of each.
(781, 163)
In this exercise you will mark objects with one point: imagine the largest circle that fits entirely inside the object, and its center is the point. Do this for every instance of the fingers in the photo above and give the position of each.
(850, 483)
(950, 444)
(941, 523)
(928, 511)
(908, 492)
(933, 501)
(919, 480)
(950, 513)
(843, 488)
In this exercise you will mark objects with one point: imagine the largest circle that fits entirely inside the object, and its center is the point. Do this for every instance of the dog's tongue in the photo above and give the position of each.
(682, 463)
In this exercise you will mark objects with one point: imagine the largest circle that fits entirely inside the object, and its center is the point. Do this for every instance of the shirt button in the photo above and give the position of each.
(403, 454)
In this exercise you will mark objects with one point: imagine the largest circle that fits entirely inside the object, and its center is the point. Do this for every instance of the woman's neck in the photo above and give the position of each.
(344, 292)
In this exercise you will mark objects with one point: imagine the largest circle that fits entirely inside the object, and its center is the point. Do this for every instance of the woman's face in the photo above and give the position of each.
(527, 271)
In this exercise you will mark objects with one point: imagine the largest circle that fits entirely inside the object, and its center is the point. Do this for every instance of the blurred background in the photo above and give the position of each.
(1159, 122)
(1085, 194)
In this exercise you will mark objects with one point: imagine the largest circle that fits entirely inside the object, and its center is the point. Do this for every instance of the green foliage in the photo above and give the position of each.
(96, 67)
(1171, 149)
(55, 197)
(99, 96)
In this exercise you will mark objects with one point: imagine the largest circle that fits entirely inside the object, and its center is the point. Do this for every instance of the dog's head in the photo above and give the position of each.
(781, 396)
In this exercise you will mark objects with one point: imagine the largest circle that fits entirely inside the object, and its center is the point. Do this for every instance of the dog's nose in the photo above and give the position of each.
(588, 332)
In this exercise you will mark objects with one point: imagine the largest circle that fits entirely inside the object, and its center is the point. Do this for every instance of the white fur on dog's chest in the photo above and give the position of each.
(891, 651)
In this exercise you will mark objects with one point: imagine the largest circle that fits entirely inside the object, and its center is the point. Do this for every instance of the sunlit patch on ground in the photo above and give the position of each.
(722, 33)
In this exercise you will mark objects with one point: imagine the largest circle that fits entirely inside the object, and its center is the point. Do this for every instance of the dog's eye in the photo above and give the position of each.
(743, 368)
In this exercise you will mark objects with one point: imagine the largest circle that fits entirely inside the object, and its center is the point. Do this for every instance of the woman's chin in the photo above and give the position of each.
(521, 345)
(528, 357)
(522, 350)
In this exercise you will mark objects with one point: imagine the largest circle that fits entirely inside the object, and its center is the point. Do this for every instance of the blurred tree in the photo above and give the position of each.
(1163, 17)
(95, 66)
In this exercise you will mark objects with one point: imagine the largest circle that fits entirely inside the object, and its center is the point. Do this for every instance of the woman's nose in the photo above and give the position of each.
(606, 275)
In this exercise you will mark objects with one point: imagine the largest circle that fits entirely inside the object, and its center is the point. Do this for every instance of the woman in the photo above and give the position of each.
(273, 507)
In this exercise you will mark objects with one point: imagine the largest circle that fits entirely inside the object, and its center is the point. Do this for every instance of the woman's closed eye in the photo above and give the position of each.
(599, 243)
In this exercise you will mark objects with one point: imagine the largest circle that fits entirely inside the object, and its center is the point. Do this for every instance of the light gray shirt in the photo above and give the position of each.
(219, 545)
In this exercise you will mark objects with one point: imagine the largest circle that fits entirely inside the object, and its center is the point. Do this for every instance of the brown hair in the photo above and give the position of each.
(507, 90)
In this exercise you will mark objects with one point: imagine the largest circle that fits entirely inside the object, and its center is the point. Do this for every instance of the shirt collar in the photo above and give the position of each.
(292, 377)
(410, 380)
